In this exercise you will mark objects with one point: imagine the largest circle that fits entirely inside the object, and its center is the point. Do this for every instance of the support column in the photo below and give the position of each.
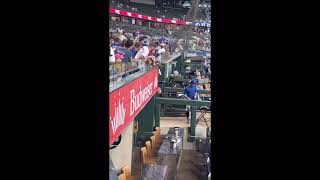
(179, 64)
(193, 122)
(157, 114)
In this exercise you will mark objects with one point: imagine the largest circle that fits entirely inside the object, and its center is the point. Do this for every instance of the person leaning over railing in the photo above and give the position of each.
(134, 50)
(143, 53)
(127, 55)
(135, 47)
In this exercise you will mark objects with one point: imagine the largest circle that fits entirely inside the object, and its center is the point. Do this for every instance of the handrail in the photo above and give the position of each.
(117, 84)
(174, 89)
(161, 100)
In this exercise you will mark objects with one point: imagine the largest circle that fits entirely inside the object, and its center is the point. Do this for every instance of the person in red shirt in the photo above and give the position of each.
(152, 47)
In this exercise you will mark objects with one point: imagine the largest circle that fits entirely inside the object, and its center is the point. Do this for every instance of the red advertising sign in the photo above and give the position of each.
(149, 18)
(126, 102)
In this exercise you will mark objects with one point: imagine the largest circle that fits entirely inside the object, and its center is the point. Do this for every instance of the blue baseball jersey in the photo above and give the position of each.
(190, 91)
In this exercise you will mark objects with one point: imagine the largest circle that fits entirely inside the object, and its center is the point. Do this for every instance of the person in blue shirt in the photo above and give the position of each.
(116, 43)
(135, 48)
(162, 40)
(127, 54)
(190, 93)
(125, 51)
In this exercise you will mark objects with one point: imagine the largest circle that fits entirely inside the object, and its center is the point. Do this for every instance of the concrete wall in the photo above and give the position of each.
(151, 2)
(122, 154)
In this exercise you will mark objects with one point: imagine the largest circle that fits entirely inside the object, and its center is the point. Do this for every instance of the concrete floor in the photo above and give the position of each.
(167, 122)
(182, 121)
(191, 167)
(173, 122)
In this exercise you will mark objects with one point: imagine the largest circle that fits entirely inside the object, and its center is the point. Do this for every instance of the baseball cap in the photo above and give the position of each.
(118, 56)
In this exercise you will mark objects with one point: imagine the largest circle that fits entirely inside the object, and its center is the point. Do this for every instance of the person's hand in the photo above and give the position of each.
(187, 97)
(152, 57)
(141, 57)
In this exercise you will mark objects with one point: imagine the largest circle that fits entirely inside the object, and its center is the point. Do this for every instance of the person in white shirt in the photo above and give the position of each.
(112, 60)
(143, 53)
(122, 37)
(162, 49)
(119, 30)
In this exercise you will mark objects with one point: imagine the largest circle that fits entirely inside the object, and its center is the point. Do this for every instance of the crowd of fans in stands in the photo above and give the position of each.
(133, 51)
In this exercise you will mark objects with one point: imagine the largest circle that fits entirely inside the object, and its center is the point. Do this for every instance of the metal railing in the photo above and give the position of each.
(120, 72)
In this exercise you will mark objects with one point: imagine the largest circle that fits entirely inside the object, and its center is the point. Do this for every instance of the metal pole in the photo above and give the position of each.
(193, 122)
